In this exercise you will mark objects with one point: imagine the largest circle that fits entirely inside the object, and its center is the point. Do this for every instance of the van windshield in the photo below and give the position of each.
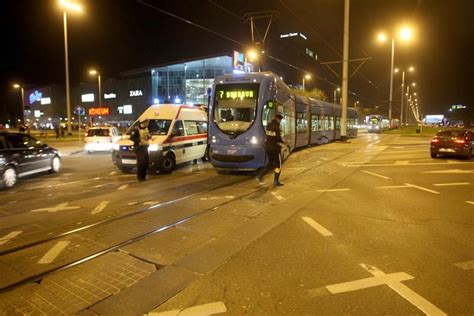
(235, 107)
(97, 132)
(156, 127)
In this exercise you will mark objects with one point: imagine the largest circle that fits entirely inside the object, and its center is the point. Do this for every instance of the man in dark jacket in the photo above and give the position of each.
(140, 137)
(273, 150)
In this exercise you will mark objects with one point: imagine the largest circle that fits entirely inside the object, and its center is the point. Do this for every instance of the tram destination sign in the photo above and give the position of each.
(236, 94)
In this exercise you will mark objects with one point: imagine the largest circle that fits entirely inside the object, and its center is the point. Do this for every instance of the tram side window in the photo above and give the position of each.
(301, 122)
(314, 123)
(330, 123)
(338, 123)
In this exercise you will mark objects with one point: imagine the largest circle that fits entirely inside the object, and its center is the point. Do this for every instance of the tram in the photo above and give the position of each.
(243, 104)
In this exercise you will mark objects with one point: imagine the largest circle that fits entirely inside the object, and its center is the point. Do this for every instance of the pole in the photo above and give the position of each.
(335, 96)
(345, 70)
(403, 97)
(79, 129)
(391, 84)
(100, 90)
(406, 110)
(66, 58)
(23, 104)
(303, 83)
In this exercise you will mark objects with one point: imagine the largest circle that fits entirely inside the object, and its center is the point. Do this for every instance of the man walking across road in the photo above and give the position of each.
(273, 150)
(140, 137)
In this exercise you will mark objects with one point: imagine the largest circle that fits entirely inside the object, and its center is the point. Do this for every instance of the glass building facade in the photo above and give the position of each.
(188, 82)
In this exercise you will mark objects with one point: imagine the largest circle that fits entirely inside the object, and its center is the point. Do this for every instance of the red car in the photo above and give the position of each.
(453, 142)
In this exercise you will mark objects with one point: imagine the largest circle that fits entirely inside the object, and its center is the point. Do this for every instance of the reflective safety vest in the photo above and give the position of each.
(144, 136)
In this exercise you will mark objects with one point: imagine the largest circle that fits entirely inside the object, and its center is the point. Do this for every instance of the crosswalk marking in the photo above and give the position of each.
(318, 227)
(53, 252)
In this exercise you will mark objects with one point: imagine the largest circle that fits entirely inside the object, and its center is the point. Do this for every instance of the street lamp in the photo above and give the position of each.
(94, 72)
(335, 94)
(307, 77)
(77, 8)
(405, 34)
(410, 69)
(17, 86)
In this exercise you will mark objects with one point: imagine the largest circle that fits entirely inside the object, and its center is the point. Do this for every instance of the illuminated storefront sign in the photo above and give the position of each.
(38, 113)
(458, 107)
(35, 96)
(99, 111)
(238, 61)
(110, 95)
(125, 109)
(45, 100)
(136, 93)
(89, 97)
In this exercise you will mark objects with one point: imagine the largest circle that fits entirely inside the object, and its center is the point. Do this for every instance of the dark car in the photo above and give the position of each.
(22, 155)
(453, 142)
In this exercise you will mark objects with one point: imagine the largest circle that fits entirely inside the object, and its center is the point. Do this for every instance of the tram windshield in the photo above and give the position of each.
(235, 107)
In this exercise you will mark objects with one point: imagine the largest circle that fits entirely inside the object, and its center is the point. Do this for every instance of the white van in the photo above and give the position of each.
(179, 134)
(101, 138)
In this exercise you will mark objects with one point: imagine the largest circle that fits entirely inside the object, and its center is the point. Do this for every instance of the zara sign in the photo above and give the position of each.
(136, 93)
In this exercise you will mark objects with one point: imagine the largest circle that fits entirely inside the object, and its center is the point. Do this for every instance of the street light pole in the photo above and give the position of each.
(391, 83)
(68, 96)
(22, 91)
(345, 71)
(100, 90)
(403, 97)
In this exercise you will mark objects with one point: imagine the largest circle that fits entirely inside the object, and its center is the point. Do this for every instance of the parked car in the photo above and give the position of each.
(453, 142)
(22, 155)
(101, 138)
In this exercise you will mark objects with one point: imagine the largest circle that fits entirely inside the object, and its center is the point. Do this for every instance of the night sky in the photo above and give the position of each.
(119, 35)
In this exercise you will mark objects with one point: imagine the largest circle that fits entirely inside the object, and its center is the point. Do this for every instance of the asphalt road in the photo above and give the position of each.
(374, 226)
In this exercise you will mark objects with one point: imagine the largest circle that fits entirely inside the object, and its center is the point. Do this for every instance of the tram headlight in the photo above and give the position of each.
(253, 140)
(213, 139)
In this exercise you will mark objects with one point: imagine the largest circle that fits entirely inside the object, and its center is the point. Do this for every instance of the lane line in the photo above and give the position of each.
(470, 202)
(393, 187)
(112, 173)
(9, 236)
(202, 310)
(99, 208)
(150, 203)
(368, 282)
(409, 165)
(449, 184)
(421, 188)
(123, 187)
(466, 265)
(324, 158)
(335, 190)
(278, 196)
(53, 252)
(318, 227)
(375, 174)
(401, 162)
(456, 171)
(411, 296)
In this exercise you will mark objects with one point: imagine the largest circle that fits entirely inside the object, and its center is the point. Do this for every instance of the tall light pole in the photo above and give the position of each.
(94, 72)
(307, 77)
(410, 69)
(74, 7)
(17, 86)
(405, 34)
(345, 71)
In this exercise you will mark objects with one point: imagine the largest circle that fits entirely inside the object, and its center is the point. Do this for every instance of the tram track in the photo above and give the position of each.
(41, 275)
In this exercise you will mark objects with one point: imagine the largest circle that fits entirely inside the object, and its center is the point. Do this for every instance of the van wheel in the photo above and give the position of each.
(9, 178)
(168, 164)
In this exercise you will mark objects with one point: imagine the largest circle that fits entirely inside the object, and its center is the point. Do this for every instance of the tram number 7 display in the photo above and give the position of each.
(235, 94)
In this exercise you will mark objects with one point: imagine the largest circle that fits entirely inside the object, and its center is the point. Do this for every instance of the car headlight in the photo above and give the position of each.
(116, 146)
(253, 140)
(153, 147)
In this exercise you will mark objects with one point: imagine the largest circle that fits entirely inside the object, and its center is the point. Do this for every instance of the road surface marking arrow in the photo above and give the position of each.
(53, 252)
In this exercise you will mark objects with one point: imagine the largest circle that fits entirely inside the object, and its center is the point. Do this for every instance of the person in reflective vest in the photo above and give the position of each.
(273, 143)
(140, 136)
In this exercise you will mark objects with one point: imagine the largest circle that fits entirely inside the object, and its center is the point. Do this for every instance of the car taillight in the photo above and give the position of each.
(435, 140)
(460, 141)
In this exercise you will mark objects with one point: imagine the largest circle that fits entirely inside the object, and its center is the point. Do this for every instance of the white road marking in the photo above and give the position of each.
(411, 296)
(411, 164)
(132, 203)
(98, 178)
(335, 190)
(470, 202)
(466, 265)
(392, 280)
(401, 162)
(375, 174)
(217, 197)
(59, 207)
(318, 227)
(421, 188)
(230, 197)
(102, 185)
(99, 208)
(324, 158)
(450, 171)
(393, 187)
(200, 310)
(122, 187)
(9, 236)
(112, 173)
(449, 184)
(150, 203)
(398, 147)
(278, 196)
(53, 252)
